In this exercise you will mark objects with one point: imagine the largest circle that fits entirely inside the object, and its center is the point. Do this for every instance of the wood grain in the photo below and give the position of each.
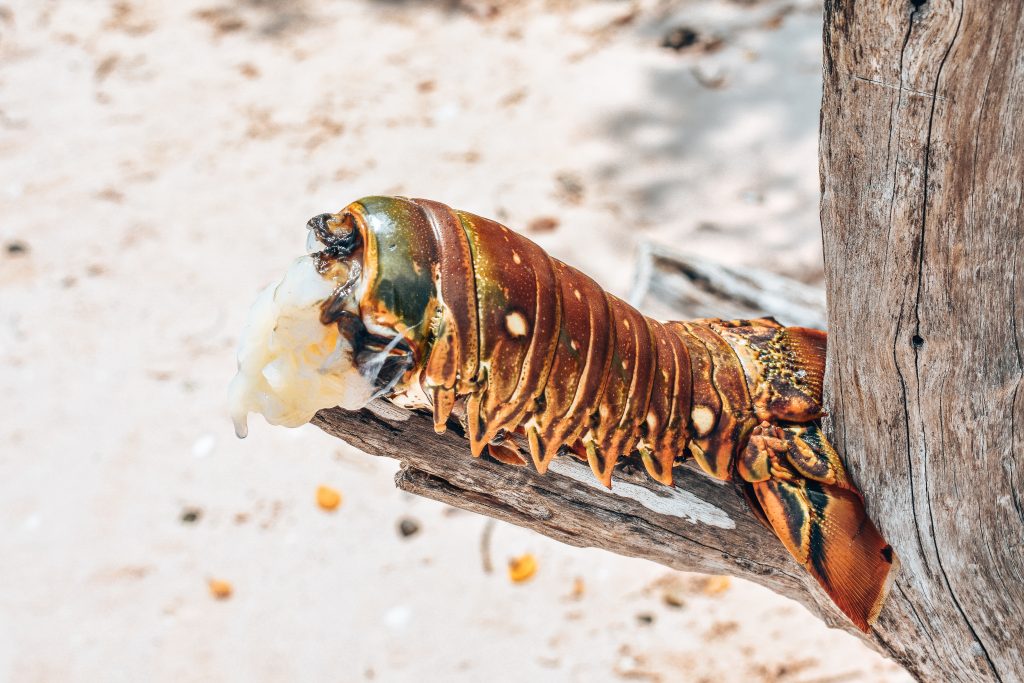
(671, 284)
(922, 168)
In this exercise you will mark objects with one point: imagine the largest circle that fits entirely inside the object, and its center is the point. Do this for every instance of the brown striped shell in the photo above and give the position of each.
(522, 343)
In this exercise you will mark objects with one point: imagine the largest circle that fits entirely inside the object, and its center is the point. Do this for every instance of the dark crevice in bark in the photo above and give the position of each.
(920, 622)
(906, 432)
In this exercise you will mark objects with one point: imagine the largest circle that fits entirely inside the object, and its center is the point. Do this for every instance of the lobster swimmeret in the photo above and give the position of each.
(440, 309)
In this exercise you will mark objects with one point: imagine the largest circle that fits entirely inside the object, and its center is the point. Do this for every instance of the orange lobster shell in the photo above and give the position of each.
(520, 342)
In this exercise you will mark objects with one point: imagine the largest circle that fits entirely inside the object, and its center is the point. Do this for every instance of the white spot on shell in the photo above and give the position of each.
(515, 323)
(576, 293)
(516, 259)
(703, 419)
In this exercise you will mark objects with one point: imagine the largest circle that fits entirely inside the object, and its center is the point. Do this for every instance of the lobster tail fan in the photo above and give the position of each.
(827, 530)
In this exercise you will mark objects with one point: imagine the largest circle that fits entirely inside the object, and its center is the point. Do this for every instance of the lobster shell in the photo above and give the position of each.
(530, 345)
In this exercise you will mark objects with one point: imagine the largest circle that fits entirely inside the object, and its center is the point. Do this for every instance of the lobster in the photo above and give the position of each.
(444, 310)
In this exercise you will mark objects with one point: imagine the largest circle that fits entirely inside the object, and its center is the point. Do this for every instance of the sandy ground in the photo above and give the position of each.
(158, 161)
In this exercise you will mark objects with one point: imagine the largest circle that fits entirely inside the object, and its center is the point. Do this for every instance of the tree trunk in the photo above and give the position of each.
(922, 168)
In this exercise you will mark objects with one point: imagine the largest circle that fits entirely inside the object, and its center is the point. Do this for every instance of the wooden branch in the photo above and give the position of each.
(700, 525)
(922, 164)
(672, 284)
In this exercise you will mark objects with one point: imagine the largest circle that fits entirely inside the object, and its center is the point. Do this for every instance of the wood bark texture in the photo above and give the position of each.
(922, 168)
(668, 283)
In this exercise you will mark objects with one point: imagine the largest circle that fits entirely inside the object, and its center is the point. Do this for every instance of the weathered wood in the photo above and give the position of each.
(669, 283)
(922, 167)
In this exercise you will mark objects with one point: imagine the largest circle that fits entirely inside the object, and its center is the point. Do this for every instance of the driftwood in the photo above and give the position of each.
(700, 525)
(922, 166)
(670, 283)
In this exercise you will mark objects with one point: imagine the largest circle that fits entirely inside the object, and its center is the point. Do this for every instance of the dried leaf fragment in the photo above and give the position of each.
(220, 589)
(542, 224)
(328, 498)
(716, 585)
(522, 568)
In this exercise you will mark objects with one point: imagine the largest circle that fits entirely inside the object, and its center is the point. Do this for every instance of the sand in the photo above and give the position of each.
(158, 161)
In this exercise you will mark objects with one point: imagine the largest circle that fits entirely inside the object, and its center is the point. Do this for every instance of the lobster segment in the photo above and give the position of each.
(454, 355)
(645, 372)
(517, 323)
(735, 418)
(626, 395)
(784, 367)
(705, 402)
(398, 291)
(554, 406)
(660, 435)
(596, 360)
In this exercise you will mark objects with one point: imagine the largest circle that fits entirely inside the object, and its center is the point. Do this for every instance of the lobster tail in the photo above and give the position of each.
(802, 491)
(827, 530)
(522, 347)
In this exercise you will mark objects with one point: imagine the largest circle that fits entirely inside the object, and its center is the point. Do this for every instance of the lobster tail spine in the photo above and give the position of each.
(580, 367)
(664, 431)
(623, 406)
(454, 361)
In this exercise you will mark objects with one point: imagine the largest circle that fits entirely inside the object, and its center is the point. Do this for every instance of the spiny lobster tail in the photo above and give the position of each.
(518, 343)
